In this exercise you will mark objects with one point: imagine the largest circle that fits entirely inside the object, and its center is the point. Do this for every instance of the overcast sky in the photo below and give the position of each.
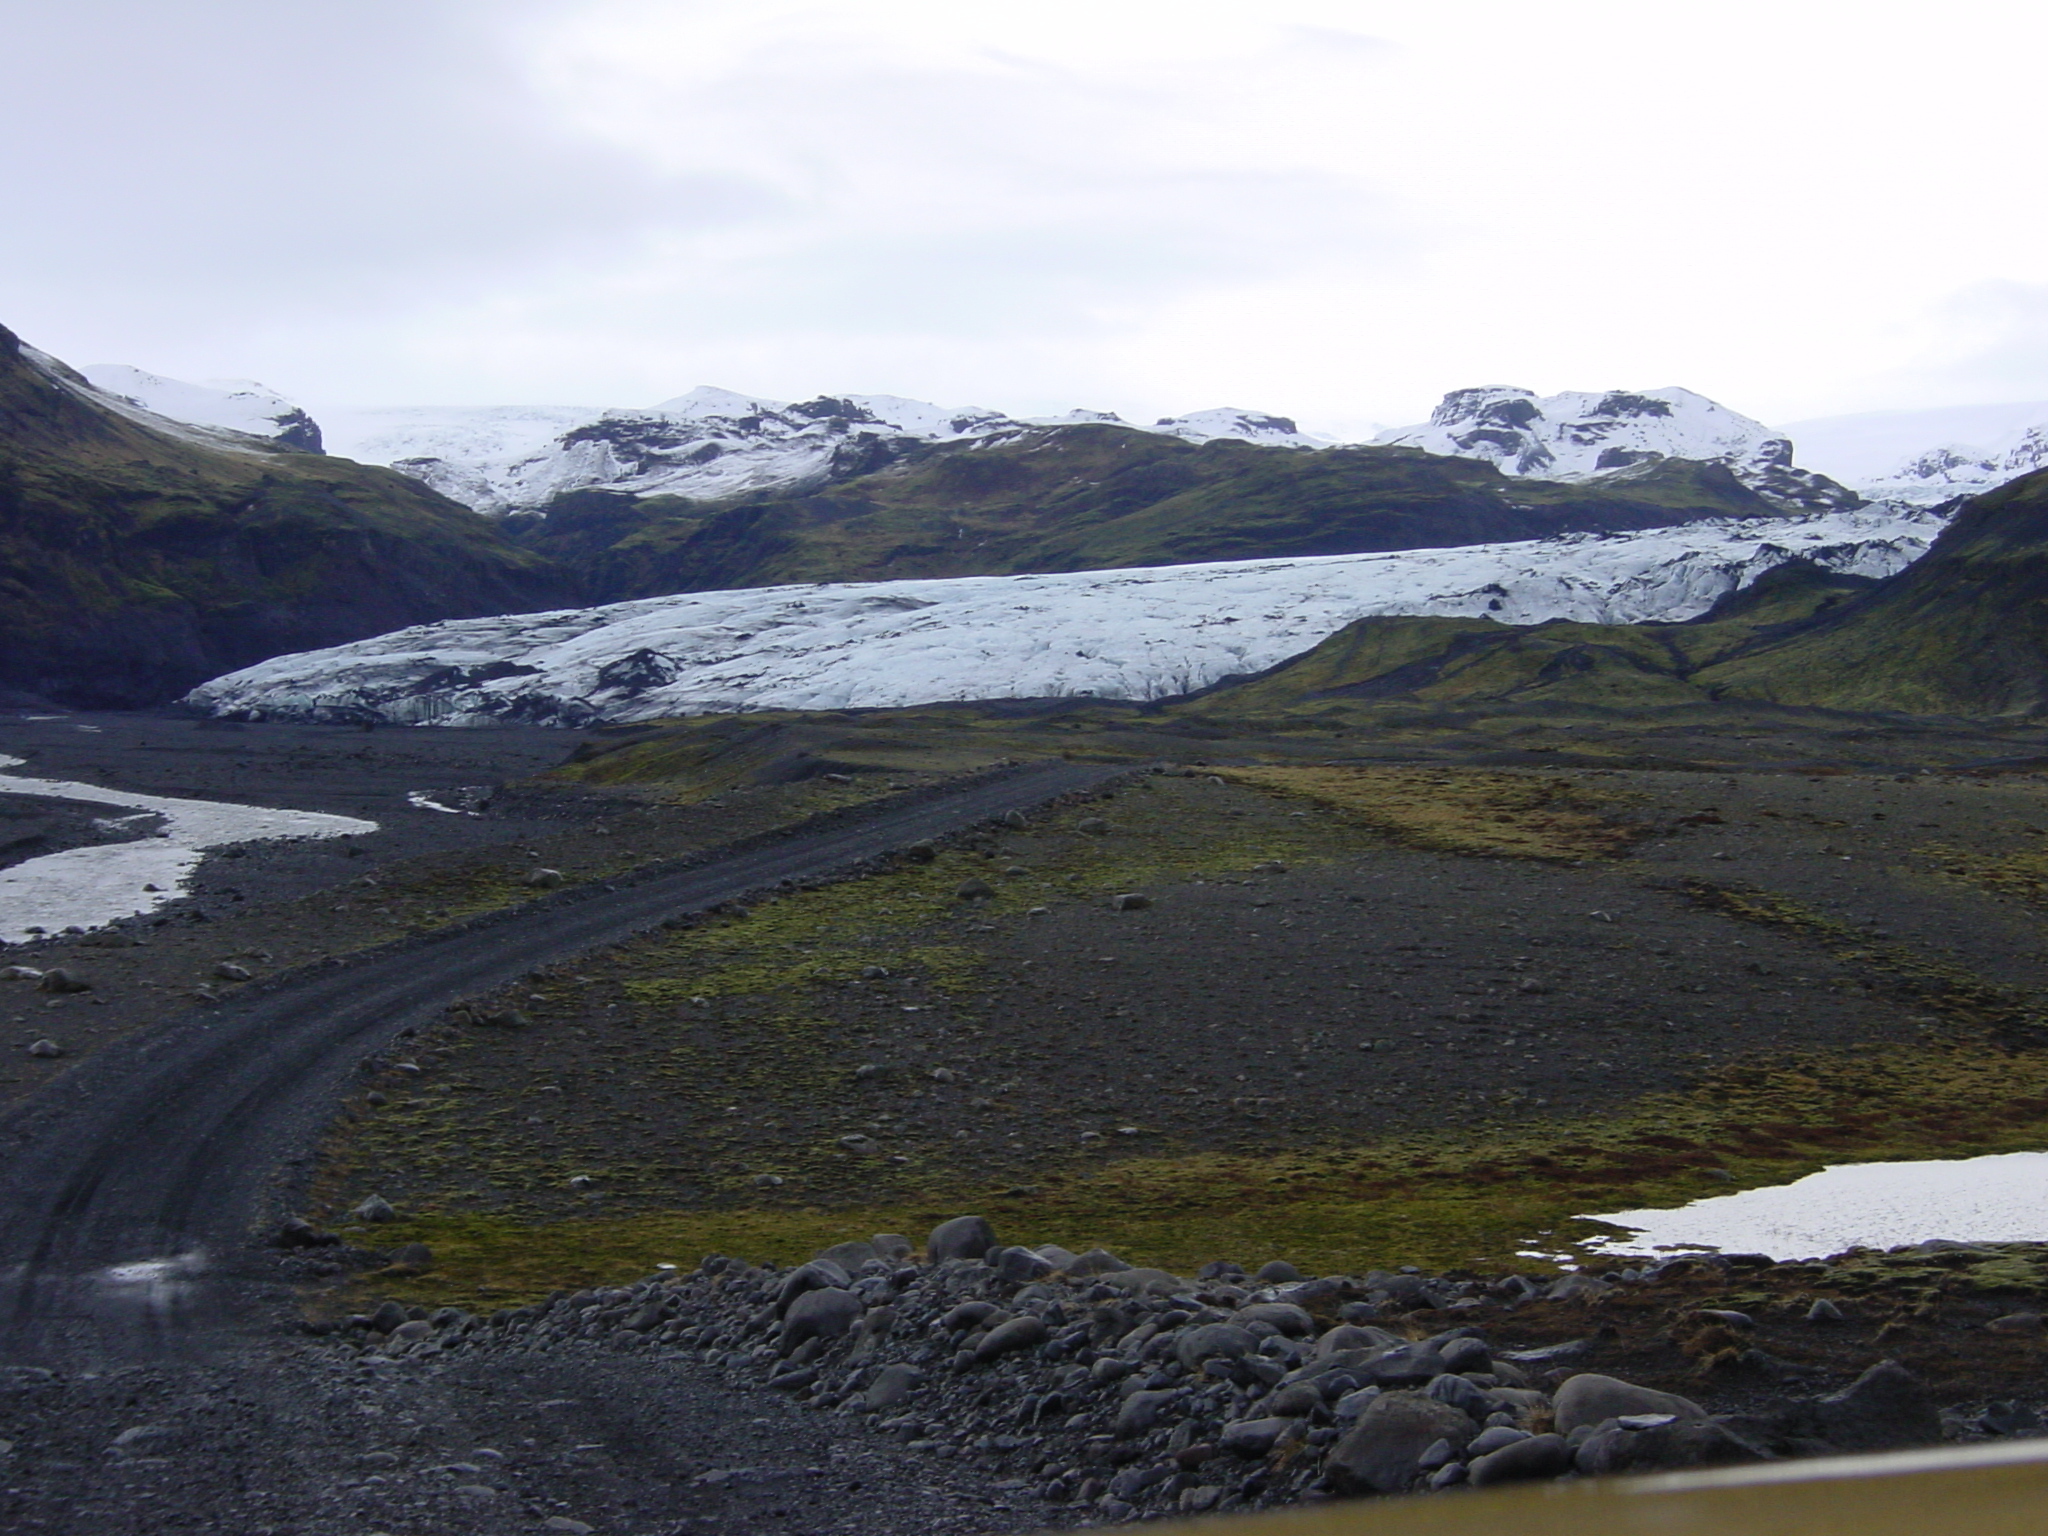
(1331, 210)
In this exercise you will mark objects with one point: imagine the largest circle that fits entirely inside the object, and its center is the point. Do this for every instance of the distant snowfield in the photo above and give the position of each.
(91, 887)
(1124, 634)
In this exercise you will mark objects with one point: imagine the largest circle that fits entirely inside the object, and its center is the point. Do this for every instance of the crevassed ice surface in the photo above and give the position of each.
(1126, 634)
(1998, 1199)
(91, 887)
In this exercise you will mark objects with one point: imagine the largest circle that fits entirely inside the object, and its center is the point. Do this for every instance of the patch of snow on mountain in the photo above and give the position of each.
(1244, 426)
(710, 444)
(1131, 634)
(1580, 435)
(227, 405)
(1927, 457)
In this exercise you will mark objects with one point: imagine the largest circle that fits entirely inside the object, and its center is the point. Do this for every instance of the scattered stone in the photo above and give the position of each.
(1214, 1341)
(1255, 1438)
(376, 1208)
(45, 1048)
(921, 852)
(542, 879)
(413, 1258)
(1278, 1272)
(297, 1232)
(1092, 826)
(1824, 1311)
(1141, 1411)
(2016, 1322)
(20, 973)
(62, 981)
(891, 1387)
(1129, 901)
(1886, 1408)
(227, 970)
(974, 890)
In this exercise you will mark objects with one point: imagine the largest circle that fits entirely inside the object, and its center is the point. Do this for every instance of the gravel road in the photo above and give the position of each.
(129, 1188)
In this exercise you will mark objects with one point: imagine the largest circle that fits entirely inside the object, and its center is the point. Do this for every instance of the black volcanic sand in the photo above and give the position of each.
(1367, 989)
(267, 907)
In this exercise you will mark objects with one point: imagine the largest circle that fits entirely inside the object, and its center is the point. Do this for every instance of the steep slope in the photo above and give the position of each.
(231, 405)
(1577, 436)
(1094, 497)
(1964, 632)
(138, 556)
(1129, 633)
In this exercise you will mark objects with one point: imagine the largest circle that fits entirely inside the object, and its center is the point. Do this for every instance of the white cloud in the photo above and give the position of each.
(1331, 208)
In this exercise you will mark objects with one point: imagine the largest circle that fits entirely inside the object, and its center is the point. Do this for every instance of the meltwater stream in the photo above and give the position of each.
(91, 887)
(1997, 1199)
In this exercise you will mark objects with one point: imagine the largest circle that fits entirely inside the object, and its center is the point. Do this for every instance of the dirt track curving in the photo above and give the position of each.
(163, 1152)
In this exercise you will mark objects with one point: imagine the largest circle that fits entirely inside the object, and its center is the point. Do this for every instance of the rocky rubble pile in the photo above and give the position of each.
(1121, 1391)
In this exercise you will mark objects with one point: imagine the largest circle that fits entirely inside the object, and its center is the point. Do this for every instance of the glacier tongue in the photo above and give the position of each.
(1128, 634)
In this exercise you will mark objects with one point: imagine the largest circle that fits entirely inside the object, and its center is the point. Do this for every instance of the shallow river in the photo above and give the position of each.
(91, 887)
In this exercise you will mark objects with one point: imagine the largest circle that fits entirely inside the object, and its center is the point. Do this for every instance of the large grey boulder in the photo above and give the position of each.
(849, 1256)
(1592, 1399)
(1350, 1336)
(964, 1237)
(1019, 1265)
(1097, 1261)
(1026, 1332)
(1383, 1452)
(818, 1275)
(819, 1315)
(1537, 1456)
(1659, 1442)
(1283, 1316)
(1405, 1365)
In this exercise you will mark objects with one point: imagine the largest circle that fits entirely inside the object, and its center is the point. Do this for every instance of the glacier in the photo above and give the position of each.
(1121, 634)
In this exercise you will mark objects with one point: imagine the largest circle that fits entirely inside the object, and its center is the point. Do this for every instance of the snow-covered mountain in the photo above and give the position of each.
(1132, 634)
(226, 405)
(1580, 435)
(709, 444)
(1927, 457)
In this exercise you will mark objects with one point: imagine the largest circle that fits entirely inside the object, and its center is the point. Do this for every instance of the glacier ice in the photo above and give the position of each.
(1126, 634)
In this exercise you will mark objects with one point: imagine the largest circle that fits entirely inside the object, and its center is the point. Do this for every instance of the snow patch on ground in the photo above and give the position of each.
(91, 887)
(1128, 634)
(1999, 1199)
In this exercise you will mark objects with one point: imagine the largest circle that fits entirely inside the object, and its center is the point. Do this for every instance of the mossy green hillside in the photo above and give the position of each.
(134, 564)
